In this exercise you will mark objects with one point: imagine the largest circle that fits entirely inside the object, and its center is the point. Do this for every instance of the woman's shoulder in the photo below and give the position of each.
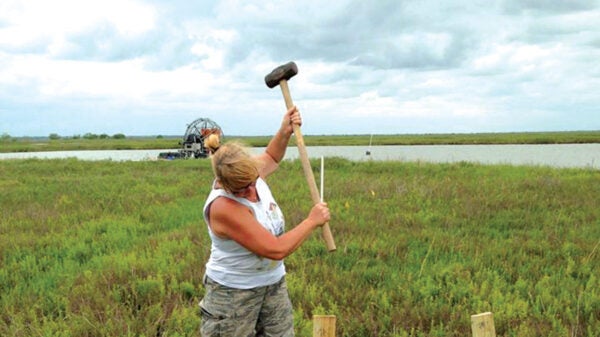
(226, 213)
(222, 201)
(225, 206)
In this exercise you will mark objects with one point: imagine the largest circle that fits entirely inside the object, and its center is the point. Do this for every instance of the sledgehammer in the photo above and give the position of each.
(280, 76)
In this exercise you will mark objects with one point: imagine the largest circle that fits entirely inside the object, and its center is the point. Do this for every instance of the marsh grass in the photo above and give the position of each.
(25, 144)
(118, 248)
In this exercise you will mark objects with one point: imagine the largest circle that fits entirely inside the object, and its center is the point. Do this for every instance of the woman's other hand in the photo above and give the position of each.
(319, 214)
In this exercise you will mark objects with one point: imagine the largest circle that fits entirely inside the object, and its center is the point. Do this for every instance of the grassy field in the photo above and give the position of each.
(118, 248)
(8, 144)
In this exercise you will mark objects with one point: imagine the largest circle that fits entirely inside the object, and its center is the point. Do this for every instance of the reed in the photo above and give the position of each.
(118, 248)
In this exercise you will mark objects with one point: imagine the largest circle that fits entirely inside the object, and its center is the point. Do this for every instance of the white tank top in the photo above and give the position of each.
(232, 265)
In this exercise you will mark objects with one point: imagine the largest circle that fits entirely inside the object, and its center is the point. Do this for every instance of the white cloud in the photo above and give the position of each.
(31, 20)
(210, 46)
(460, 66)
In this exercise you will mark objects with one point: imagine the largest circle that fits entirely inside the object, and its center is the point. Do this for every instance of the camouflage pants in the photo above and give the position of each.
(258, 312)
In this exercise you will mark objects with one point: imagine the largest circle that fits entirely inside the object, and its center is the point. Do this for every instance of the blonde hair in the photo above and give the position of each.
(234, 167)
(212, 142)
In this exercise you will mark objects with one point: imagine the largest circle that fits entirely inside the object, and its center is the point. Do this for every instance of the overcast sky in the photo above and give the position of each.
(150, 67)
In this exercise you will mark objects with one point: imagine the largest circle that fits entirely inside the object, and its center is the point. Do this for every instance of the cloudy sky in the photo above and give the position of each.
(150, 67)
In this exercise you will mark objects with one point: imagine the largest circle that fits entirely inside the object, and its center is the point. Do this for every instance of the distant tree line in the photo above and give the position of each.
(89, 135)
(5, 137)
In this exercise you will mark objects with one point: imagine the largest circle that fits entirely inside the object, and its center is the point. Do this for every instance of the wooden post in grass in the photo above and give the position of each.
(323, 325)
(482, 325)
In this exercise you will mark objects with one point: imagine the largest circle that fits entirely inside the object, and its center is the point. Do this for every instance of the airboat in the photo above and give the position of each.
(192, 143)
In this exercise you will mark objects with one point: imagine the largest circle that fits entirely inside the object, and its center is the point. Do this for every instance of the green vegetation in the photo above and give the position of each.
(120, 142)
(88, 142)
(439, 139)
(5, 138)
(118, 248)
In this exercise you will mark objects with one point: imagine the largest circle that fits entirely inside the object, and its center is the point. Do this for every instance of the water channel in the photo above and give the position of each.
(554, 155)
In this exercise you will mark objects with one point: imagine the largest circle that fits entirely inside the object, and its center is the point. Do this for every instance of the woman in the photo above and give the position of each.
(246, 292)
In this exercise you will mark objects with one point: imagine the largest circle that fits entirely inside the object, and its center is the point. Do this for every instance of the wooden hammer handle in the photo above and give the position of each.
(308, 173)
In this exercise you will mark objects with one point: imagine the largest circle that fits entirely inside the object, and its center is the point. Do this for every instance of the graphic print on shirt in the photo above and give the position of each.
(276, 218)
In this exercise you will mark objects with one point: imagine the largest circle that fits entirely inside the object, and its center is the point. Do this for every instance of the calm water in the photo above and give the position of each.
(555, 155)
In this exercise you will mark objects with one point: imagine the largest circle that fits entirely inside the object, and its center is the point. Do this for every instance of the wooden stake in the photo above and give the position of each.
(322, 175)
(482, 325)
(323, 325)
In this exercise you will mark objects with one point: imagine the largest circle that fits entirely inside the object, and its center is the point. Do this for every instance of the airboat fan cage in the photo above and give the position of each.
(200, 129)
(195, 134)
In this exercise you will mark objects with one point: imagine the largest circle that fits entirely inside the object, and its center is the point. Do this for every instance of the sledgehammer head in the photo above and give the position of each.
(283, 72)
